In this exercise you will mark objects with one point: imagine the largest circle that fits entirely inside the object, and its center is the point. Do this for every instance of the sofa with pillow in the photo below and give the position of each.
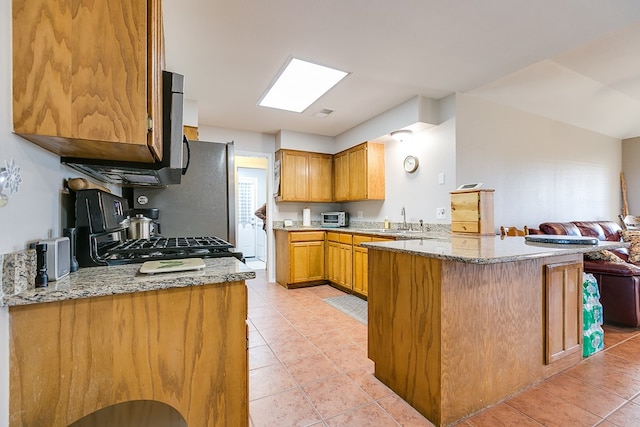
(616, 270)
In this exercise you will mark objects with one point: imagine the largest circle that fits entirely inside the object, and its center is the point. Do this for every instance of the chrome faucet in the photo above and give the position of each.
(404, 218)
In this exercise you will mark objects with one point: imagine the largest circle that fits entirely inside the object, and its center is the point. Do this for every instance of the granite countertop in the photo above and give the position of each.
(122, 279)
(486, 249)
(392, 233)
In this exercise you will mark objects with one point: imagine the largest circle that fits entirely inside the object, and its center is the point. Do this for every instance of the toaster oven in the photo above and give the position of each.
(334, 219)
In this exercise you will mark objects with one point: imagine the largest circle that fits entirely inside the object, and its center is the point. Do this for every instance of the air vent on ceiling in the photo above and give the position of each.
(323, 113)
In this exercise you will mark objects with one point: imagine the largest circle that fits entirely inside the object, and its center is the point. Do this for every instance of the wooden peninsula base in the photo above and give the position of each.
(184, 347)
(452, 338)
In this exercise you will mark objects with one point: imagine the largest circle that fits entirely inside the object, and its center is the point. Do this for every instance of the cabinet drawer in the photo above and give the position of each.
(332, 236)
(464, 207)
(465, 227)
(346, 238)
(357, 239)
(306, 236)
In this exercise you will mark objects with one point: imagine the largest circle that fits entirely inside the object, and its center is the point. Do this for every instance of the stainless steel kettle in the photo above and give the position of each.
(139, 227)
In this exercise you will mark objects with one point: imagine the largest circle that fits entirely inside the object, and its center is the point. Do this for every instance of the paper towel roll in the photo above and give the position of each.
(306, 217)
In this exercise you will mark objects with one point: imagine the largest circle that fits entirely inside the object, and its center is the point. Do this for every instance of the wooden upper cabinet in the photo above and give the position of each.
(359, 173)
(87, 77)
(320, 177)
(341, 176)
(305, 176)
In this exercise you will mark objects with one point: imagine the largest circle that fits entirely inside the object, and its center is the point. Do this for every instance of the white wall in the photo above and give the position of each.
(542, 170)
(630, 156)
(33, 213)
(305, 142)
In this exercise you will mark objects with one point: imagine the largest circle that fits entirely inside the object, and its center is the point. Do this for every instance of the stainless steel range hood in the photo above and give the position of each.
(134, 174)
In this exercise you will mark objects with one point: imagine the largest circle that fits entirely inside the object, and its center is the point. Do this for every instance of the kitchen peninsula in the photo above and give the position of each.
(457, 325)
(109, 335)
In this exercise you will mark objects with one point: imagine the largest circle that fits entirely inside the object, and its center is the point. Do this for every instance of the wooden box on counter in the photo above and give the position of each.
(472, 211)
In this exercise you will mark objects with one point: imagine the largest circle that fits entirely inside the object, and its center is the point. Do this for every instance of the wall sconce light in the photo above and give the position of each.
(401, 135)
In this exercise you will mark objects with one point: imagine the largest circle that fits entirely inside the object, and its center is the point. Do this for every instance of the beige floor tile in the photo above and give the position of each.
(368, 415)
(350, 358)
(290, 408)
(610, 373)
(293, 348)
(575, 391)
(550, 411)
(403, 413)
(312, 327)
(628, 415)
(256, 339)
(311, 369)
(316, 342)
(278, 333)
(329, 340)
(261, 356)
(335, 395)
(269, 380)
(365, 379)
(502, 415)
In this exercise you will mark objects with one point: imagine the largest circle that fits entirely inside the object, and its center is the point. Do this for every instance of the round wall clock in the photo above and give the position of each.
(410, 164)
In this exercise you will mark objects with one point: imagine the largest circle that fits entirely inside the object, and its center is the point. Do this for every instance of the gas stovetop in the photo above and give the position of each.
(102, 236)
(141, 250)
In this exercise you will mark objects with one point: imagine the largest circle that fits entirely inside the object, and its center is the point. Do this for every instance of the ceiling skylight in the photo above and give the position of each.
(299, 85)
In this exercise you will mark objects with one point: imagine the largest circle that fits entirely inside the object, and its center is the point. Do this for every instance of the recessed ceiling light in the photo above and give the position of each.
(299, 85)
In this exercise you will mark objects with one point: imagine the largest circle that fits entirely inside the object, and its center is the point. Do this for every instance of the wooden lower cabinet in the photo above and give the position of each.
(307, 261)
(452, 338)
(306, 258)
(563, 310)
(300, 257)
(361, 263)
(182, 349)
(360, 268)
(339, 259)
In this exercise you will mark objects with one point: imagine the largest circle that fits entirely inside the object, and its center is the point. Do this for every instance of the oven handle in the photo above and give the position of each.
(185, 141)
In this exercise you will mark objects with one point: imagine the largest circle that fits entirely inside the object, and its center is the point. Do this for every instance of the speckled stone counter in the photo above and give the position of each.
(430, 231)
(485, 249)
(122, 279)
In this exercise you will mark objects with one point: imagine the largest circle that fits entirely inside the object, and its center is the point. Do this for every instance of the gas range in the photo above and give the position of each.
(102, 236)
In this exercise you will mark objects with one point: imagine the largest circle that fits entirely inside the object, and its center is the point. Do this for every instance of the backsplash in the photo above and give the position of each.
(18, 271)
(371, 225)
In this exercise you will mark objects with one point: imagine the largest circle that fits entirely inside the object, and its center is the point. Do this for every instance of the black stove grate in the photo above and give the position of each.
(140, 250)
(170, 243)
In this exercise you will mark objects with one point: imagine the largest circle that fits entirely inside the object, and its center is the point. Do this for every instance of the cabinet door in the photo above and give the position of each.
(320, 177)
(358, 173)
(360, 270)
(294, 176)
(344, 266)
(307, 261)
(341, 177)
(563, 310)
(84, 77)
(332, 261)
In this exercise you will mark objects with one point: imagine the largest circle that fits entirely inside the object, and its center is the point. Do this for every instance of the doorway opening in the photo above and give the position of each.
(251, 193)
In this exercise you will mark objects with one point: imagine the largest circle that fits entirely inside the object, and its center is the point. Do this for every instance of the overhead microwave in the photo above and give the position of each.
(334, 219)
(170, 169)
